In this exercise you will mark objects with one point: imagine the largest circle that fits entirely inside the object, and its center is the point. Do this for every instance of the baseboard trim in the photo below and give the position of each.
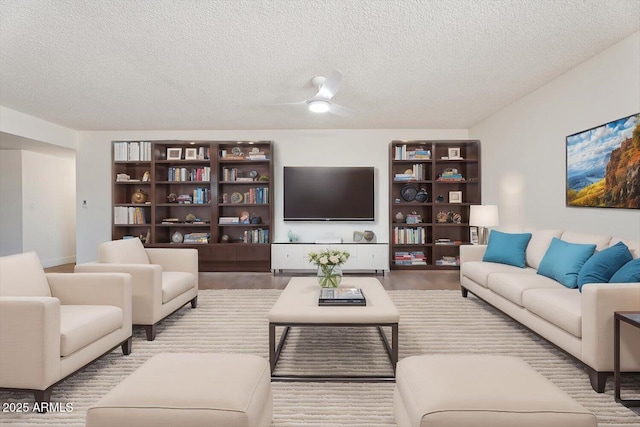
(54, 262)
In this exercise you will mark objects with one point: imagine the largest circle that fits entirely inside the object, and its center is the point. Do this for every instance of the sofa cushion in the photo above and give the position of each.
(80, 325)
(125, 251)
(633, 245)
(538, 245)
(563, 261)
(175, 283)
(512, 285)
(479, 271)
(562, 307)
(507, 248)
(628, 273)
(602, 265)
(22, 275)
(601, 242)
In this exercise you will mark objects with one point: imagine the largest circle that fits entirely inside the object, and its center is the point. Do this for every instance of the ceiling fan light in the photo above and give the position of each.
(318, 106)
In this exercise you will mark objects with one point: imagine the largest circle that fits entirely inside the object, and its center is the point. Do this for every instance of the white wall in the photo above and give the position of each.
(38, 167)
(23, 125)
(11, 205)
(292, 148)
(523, 146)
(48, 207)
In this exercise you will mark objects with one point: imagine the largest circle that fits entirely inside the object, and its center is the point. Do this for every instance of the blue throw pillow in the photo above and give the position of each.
(563, 261)
(629, 273)
(602, 266)
(507, 248)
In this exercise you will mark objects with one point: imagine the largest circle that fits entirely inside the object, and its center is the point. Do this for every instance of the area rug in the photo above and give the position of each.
(234, 321)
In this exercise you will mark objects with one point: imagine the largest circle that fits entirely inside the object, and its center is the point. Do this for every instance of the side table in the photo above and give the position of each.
(633, 319)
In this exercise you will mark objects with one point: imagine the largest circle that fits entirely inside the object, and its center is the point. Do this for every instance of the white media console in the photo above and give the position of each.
(362, 256)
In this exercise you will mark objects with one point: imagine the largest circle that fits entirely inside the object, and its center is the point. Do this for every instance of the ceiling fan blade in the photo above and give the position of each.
(290, 103)
(330, 86)
(339, 110)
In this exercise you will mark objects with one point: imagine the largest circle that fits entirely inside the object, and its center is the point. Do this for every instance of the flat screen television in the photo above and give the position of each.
(329, 193)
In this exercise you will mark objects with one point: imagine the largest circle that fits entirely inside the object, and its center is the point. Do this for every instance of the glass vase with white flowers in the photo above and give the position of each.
(329, 263)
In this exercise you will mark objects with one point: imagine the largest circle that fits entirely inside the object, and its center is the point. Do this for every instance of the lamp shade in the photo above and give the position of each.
(483, 215)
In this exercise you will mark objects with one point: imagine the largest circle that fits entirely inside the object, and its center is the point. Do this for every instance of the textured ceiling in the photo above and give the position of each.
(219, 64)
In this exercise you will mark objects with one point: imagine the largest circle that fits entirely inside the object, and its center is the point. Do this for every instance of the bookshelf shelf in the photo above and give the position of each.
(419, 163)
(193, 171)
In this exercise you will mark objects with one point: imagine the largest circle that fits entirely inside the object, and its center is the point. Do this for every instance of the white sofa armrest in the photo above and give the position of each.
(175, 259)
(599, 301)
(91, 288)
(94, 289)
(29, 342)
(472, 252)
(146, 286)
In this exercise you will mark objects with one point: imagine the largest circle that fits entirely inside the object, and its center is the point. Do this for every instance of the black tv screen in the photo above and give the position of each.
(329, 194)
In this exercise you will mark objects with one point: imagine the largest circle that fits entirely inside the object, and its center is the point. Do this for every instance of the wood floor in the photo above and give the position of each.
(405, 279)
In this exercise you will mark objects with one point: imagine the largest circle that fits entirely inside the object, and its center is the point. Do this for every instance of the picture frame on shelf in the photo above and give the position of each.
(174, 153)
(191, 154)
(455, 196)
(473, 235)
(454, 153)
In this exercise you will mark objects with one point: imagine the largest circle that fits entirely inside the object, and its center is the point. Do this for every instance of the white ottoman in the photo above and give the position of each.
(178, 389)
(449, 390)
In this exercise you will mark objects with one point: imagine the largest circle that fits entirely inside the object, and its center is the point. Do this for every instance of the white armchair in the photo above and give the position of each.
(163, 279)
(52, 325)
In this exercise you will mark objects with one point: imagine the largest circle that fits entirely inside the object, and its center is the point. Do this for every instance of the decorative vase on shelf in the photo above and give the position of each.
(329, 276)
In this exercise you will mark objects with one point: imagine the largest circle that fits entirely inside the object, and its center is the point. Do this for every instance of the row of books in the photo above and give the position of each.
(196, 238)
(128, 215)
(401, 153)
(233, 175)
(132, 151)
(201, 196)
(409, 258)
(409, 236)
(255, 196)
(417, 173)
(189, 174)
(259, 235)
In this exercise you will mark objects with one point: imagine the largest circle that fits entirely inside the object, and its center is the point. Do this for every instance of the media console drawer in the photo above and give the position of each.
(363, 256)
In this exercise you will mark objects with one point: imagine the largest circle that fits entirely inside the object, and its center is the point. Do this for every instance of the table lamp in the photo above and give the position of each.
(483, 217)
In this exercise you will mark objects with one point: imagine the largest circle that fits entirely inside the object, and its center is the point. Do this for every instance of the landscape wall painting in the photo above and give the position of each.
(603, 165)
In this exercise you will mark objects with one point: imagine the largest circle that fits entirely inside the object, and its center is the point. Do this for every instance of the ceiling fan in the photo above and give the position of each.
(321, 102)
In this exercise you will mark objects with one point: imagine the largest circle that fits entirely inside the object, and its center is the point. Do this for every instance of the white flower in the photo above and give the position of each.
(323, 260)
(334, 259)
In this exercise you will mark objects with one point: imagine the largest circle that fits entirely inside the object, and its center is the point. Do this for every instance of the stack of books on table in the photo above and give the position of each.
(420, 153)
(341, 296)
(448, 260)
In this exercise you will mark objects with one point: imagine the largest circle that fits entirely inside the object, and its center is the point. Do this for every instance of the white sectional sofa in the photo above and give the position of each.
(579, 322)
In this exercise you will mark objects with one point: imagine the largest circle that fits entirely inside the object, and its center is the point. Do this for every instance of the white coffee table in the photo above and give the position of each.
(297, 306)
